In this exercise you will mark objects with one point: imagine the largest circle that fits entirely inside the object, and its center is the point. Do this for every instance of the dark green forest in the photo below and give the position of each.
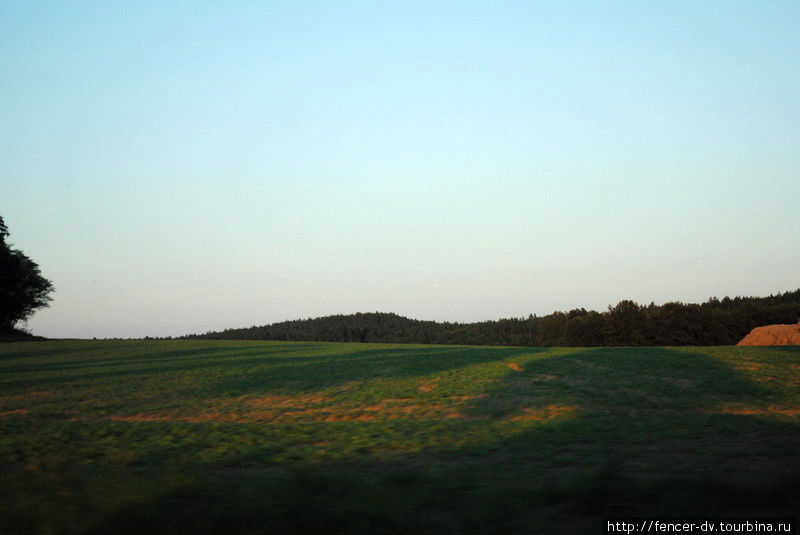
(715, 322)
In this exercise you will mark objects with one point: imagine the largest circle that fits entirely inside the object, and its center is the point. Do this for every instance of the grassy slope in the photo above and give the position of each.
(197, 436)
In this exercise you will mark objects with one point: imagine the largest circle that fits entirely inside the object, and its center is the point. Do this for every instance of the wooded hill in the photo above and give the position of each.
(715, 322)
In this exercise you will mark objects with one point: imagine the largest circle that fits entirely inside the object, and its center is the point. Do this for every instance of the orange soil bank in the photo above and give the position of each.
(773, 335)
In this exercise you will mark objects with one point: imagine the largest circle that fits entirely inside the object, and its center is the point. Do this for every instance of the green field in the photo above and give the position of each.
(279, 437)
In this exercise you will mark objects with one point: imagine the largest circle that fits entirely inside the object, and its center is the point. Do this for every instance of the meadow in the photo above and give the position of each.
(203, 436)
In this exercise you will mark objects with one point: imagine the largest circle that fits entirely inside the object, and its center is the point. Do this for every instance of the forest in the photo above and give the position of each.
(714, 322)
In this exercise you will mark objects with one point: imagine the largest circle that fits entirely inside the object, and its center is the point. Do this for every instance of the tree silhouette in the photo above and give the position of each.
(716, 322)
(22, 287)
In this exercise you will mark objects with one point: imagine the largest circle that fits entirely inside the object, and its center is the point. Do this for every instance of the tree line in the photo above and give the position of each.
(715, 322)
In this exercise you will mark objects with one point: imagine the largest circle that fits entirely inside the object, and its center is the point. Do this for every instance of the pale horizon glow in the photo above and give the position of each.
(181, 167)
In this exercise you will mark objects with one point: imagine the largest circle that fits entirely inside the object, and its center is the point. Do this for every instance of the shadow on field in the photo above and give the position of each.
(647, 435)
(652, 414)
(623, 382)
(109, 367)
(101, 361)
(783, 349)
(263, 368)
(308, 374)
(27, 350)
(655, 432)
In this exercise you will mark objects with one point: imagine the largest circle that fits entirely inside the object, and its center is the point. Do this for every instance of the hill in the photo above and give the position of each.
(359, 327)
(715, 322)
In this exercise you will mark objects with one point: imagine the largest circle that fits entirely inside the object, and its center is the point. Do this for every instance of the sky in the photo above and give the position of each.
(178, 167)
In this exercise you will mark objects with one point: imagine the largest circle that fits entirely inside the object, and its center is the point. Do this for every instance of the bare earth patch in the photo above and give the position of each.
(315, 408)
(28, 396)
(429, 386)
(387, 409)
(546, 413)
(750, 366)
(771, 410)
(198, 418)
(288, 402)
(17, 412)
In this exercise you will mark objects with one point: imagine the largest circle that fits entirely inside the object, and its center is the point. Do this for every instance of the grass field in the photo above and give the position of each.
(278, 437)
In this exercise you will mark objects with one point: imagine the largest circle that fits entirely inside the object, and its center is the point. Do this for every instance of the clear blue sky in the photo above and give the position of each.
(175, 167)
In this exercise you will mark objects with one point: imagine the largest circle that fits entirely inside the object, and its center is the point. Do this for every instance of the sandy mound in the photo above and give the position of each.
(773, 335)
